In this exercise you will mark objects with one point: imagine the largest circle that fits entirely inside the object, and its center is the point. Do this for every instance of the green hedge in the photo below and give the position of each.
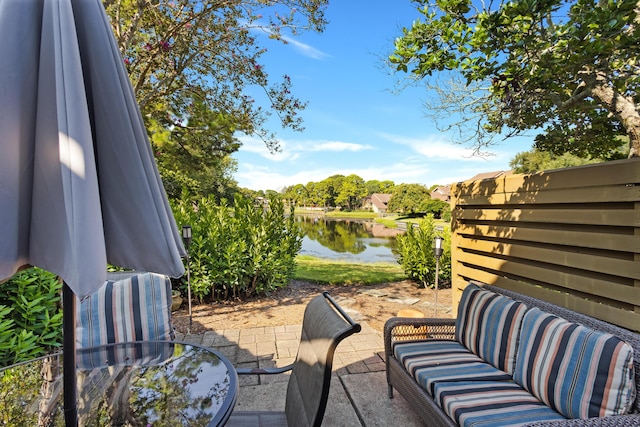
(30, 316)
(238, 250)
(415, 249)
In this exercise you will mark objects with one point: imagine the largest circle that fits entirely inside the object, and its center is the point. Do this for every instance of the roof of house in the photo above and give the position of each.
(490, 175)
(380, 200)
(445, 190)
(442, 192)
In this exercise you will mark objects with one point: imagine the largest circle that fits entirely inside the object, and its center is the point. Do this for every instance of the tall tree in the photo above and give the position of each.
(176, 50)
(375, 186)
(408, 198)
(195, 154)
(566, 67)
(193, 65)
(352, 192)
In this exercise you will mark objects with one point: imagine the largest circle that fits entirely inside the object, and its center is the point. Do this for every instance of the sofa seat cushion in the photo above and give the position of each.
(579, 372)
(488, 324)
(432, 361)
(491, 404)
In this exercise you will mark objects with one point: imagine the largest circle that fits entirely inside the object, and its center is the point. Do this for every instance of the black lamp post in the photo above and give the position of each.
(437, 252)
(186, 238)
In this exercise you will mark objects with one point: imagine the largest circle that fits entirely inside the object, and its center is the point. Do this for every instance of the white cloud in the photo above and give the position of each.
(433, 147)
(291, 151)
(337, 146)
(306, 49)
(303, 48)
(262, 178)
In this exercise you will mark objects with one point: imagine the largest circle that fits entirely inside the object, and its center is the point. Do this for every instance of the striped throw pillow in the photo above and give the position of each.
(579, 372)
(488, 324)
(134, 309)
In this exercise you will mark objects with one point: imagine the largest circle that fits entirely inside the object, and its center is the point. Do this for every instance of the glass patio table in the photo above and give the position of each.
(150, 384)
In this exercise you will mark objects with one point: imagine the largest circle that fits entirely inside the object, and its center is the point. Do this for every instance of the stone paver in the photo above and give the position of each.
(356, 358)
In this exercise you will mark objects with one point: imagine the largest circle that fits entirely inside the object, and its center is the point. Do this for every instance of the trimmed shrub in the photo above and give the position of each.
(415, 250)
(238, 250)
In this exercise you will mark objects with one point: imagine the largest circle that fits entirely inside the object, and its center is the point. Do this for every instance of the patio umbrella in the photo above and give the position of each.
(78, 182)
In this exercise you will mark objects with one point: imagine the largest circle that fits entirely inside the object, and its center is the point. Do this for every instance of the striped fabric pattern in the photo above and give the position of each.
(433, 361)
(488, 324)
(579, 372)
(139, 354)
(134, 309)
(491, 404)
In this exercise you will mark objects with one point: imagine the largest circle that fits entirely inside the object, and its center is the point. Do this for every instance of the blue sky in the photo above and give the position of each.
(354, 124)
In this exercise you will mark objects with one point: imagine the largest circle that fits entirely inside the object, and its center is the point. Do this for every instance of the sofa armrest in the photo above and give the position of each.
(411, 328)
(618, 420)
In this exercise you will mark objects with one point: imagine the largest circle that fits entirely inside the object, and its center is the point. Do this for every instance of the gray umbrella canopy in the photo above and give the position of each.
(78, 182)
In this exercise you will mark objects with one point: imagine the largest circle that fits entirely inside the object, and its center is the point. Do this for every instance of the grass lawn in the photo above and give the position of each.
(318, 270)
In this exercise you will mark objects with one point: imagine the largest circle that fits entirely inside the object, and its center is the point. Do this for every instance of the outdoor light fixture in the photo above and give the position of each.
(437, 252)
(437, 247)
(186, 238)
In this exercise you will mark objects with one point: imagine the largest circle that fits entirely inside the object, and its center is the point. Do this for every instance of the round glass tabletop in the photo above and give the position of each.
(149, 384)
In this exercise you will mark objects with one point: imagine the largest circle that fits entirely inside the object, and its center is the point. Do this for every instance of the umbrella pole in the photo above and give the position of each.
(189, 291)
(69, 356)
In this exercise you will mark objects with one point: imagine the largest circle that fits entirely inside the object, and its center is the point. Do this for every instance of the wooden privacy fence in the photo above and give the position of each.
(569, 236)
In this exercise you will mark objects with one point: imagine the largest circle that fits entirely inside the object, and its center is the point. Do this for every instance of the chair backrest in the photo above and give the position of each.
(133, 308)
(324, 325)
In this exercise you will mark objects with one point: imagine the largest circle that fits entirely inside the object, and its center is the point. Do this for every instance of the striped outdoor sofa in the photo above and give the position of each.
(512, 360)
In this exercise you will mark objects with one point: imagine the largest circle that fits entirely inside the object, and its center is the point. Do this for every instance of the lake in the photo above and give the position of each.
(353, 240)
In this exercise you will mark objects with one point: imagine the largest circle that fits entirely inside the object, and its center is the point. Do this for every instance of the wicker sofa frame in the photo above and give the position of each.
(399, 328)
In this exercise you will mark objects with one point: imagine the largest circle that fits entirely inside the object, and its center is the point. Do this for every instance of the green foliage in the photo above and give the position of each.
(30, 316)
(346, 193)
(436, 207)
(408, 198)
(415, 249)
(564, 68)
(195, 67)
(240, 250)
(176, 51)
(352, 192)
(196, 154)
(537, 160)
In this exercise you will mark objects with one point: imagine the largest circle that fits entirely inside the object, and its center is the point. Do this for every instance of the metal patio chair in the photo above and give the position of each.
(324, 326)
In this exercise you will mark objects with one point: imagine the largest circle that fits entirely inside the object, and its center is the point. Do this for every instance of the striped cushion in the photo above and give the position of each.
(134, 309)
(488, 324)
(579, 372)
(432, 361)
(138, 354)
(491, 404)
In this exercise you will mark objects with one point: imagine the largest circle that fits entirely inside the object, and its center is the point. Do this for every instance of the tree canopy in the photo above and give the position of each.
(196, 72)
(567, 69)
(409, 198)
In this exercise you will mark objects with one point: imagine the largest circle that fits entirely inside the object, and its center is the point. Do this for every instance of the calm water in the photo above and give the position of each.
(347, 239)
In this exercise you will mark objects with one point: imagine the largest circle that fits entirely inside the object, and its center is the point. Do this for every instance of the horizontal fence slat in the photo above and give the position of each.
(622, 172)
(598, 287)
(611, 217)
(568, 257)
(624, 318)
(586, 239)
(601, 194)
(572, 235)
